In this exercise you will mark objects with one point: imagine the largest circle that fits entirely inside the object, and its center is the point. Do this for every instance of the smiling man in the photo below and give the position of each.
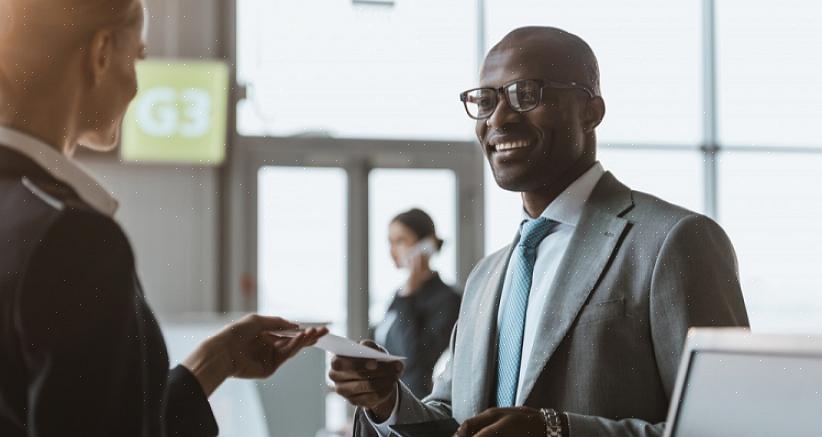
(575, 329)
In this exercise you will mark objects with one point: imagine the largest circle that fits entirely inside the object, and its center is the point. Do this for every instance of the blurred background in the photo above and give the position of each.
(339, 114)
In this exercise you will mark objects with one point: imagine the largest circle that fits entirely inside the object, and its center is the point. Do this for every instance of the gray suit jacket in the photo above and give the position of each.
(637, 274)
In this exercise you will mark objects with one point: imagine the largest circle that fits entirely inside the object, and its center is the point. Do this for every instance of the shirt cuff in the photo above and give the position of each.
(382, 428)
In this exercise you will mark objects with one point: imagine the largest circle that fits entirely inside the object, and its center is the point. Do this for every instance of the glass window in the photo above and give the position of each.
(770, 65)
(673, 175)
(770, 205)
(355, 71)
(649, 57)
(392, 191)
(303, 231)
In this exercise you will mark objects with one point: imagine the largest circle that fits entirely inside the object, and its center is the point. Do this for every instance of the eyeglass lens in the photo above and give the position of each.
(523, 95)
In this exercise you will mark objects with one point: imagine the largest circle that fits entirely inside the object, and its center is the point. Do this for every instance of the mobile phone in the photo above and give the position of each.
(425, 247)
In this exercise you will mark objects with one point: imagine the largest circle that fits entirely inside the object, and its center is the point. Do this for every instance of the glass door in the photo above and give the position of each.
(308, 227)
(393, 191)
(301, 230)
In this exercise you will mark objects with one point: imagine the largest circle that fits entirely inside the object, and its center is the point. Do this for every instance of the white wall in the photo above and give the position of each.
(170, 216)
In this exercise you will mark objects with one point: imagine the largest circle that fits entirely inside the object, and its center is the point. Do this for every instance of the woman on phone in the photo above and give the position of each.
(419, 320)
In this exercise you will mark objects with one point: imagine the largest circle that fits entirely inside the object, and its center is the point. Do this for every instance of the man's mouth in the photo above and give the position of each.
(506, 145)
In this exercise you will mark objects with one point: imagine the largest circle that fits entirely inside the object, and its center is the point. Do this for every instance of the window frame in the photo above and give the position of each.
(357, 157)
(242, 149)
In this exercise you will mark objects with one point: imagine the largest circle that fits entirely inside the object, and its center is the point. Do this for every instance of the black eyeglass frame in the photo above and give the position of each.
(502, 91)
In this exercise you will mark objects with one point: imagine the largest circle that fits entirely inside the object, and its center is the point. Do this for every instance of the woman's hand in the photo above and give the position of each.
(248, 348)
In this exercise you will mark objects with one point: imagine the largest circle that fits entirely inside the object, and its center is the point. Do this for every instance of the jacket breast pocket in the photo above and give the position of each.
(600, 311)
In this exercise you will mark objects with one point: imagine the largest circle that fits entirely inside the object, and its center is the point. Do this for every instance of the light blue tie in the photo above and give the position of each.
(512, 321)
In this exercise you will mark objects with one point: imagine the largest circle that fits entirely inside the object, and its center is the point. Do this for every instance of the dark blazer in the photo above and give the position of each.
(637, 273)
(80, 351)
(420, 331)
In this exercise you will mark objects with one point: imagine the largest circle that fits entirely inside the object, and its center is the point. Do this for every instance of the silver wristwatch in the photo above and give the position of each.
(553, 426)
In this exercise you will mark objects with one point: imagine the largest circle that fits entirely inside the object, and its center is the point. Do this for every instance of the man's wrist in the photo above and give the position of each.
(383, 412)
(556, 424)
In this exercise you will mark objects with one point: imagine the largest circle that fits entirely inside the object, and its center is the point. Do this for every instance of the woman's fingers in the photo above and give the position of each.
(289, 347)
(273, 323)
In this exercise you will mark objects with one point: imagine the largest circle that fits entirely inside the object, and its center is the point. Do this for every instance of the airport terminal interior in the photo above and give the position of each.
(272, 144)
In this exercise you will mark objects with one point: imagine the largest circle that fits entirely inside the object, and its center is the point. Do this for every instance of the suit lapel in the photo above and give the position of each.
(594, 240)
(483, 355)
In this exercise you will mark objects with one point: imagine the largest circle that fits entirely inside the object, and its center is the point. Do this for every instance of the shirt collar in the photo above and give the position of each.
(567, 207)
(61, 168)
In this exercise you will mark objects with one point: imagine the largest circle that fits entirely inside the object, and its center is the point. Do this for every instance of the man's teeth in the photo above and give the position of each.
(513, 145)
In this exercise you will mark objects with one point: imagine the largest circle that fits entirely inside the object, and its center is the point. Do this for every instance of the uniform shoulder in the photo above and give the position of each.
(54, 217)
(79, 246)
(28, 212)
(87, 228)
(55, 194)
(32, 194)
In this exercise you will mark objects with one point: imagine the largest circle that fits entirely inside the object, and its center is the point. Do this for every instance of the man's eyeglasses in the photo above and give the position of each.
(522, 96)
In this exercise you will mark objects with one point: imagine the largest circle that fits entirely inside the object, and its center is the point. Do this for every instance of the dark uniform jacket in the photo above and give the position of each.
(81, 353)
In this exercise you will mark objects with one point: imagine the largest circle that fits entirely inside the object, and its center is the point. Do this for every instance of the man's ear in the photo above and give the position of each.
(100, 55)
(594, 113)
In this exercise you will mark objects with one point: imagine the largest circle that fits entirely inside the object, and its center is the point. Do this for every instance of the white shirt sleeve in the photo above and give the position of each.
(382, 428)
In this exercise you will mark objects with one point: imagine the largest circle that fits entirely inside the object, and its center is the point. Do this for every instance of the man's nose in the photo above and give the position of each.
(503, 114)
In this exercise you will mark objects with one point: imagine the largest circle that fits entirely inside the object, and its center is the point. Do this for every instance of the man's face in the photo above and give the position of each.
(541, 144)
(118, 86)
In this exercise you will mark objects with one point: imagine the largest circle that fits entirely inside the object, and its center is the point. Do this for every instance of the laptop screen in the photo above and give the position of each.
(750, 394)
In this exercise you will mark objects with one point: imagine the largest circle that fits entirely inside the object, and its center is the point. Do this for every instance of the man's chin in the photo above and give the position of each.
(512, 182)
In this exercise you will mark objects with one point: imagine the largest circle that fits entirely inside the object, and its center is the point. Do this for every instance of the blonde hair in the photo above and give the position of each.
(38, 38)
(63, 22)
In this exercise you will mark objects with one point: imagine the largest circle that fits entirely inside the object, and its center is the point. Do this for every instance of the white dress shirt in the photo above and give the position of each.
(61, 167)
(566, 209)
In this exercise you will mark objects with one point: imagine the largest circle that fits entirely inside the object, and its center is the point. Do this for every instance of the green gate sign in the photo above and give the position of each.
(179, 114)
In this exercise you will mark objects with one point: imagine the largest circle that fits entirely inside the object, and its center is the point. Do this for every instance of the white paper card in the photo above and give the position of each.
(344, 347)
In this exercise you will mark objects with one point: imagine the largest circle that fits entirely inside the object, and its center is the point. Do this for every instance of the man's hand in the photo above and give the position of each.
(248, 348)
(505, 422)
(369, 384)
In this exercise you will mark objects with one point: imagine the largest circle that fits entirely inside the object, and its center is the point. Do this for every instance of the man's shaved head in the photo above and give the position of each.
(564, 55)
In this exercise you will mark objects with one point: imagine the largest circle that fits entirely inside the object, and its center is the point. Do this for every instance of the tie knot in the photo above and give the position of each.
(533, 231)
